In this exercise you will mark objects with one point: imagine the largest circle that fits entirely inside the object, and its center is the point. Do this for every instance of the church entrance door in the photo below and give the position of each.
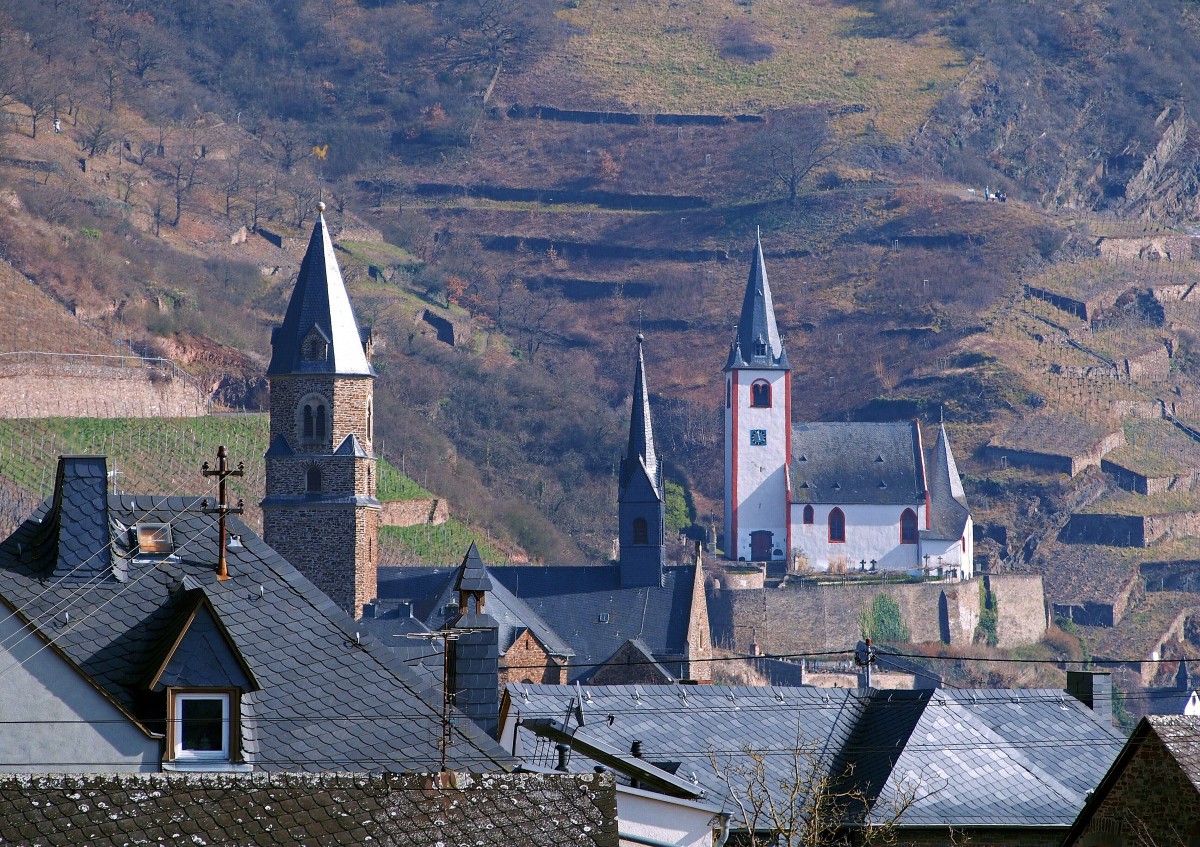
(760, 545)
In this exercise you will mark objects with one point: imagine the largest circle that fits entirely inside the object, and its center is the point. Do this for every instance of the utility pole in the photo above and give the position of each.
(864, 657)
(222, 508)
(447, 636)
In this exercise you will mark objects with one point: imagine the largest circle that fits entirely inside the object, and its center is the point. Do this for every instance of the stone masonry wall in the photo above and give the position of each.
(40, 391)
(1152, 802)
(415, 512)
(527, 661)
(339, 474)
(349, 397)
(808, 618)
(325, 543)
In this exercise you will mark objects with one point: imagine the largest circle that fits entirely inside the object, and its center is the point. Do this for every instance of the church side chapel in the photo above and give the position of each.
(829, 496)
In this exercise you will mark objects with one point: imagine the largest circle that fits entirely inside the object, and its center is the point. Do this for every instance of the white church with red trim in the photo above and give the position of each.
(829, 496)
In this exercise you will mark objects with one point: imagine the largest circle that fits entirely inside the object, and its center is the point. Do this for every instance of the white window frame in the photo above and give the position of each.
(178, 753)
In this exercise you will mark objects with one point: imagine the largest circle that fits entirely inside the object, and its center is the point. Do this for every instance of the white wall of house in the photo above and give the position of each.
(759, 469)
(55, 720)
(872, 532)
(649, 819)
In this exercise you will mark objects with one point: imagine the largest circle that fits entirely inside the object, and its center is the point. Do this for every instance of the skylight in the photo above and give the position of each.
(154, 539)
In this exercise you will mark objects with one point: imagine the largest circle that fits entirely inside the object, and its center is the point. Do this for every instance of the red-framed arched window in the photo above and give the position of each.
(837, 526)
(908, 527)
(760, 394)
(808, 515)
(728, 393)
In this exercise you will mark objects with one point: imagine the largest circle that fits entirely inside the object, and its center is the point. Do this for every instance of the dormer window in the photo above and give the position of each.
(154, 539)
(315, 347)
(760, 348)
(201, 726)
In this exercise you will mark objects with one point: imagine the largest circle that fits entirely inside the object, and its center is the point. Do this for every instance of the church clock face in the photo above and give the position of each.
(758, 438)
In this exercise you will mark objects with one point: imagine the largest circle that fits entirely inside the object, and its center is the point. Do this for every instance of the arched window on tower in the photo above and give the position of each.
(760, 394)
(908, 527)
(641, 531)
(307, 431)
(312, 479)
(808, 515)
(320, 428)
(837, 527)
(728, 393)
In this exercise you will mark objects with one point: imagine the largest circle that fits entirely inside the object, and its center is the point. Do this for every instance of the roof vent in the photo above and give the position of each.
(603, 617)
(837, 486)
(804, 484)
(882, 484)
(802, 458)
(879, 457)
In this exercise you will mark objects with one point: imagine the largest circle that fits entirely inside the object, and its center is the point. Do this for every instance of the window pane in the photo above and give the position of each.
(154, 538)
(203, 729)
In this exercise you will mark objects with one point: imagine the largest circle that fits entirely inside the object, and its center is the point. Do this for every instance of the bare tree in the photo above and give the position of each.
(792, 144)
(805, 802)
(97, 135)
(180, 169)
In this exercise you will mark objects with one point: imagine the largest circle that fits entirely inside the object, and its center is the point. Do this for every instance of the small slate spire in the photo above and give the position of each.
(319, 333)
(757, 343)
(641, 431)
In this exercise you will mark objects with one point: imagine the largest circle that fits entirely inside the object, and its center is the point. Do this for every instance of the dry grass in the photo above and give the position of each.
(30, 320)
(662, 56)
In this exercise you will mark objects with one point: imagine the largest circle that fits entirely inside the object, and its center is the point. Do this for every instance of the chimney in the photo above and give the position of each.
(1093, 690)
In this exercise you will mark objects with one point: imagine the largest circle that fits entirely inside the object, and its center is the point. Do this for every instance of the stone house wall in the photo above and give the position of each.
(1152, 801)
(527, 661)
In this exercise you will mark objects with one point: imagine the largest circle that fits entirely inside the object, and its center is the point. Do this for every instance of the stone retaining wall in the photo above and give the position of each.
(805, 618)
(43, 390)
(415, 513)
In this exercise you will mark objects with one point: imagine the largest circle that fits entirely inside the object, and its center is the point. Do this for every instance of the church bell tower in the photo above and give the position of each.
(758, 428)
(320, 511)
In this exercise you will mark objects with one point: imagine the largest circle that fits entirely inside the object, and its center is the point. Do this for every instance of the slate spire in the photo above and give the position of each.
(947, 500)
(641, 431)
(319, 333)
(757, 343)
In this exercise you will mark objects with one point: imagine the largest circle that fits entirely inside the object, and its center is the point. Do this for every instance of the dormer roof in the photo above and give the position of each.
(757, 343)
(319, 308)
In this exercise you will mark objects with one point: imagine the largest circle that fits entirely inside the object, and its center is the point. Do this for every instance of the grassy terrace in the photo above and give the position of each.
(1156, 449)
(1155, 504)
(662, 56)
(150, 456)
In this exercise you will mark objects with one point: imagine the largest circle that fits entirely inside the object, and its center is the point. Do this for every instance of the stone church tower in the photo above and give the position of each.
(758, 428)
(320, 511)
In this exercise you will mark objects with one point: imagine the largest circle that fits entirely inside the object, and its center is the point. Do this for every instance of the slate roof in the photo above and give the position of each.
(572, 600)
(319, 301)
(327, 696)
(497, 810)
(562, 606)
(969, 758)
(513, 616)
(756, 324)
(947, 500)
(857, 463)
